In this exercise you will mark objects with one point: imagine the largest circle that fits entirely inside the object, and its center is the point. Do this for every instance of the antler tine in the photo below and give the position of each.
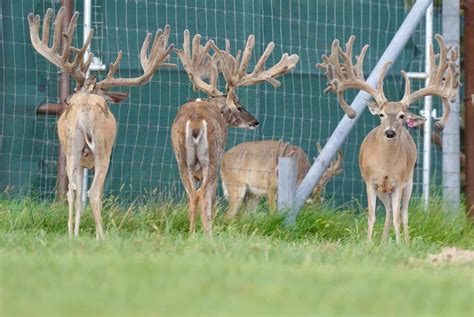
(334, 167)
(443, 60)
(79, 58)
(345, 75)
(406, 96)
(347, 68)
(114, 66)
(77, 69)
(198, 64)
(443, 79)
(159, 52)
(385, 68)
(69, 37)
(150, 62)
(266, 54)
(235, 69)
(244, 63)
(46, 21)
(359, 66)
(57, 27)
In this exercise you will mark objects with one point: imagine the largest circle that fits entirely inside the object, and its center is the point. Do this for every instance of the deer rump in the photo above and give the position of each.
(81, 129)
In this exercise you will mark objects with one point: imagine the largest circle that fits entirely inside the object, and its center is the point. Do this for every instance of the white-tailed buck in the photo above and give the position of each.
(87, 128)
(388, 153)
(250, 170)
(199, 131)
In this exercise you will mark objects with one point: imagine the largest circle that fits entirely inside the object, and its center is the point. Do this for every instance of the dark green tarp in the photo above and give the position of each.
(143, 162)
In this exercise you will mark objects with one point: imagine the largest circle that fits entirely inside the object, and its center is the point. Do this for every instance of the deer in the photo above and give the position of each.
(199, 131)
(87, 127)
(388, 153)
(250, 171)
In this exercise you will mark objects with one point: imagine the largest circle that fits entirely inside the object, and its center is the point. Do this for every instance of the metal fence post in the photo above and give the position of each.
(427, 111)
(451, 140)
(286, 184)
(345, 125)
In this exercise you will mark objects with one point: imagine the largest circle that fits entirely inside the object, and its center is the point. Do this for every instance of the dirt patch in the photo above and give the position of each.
(451, 255)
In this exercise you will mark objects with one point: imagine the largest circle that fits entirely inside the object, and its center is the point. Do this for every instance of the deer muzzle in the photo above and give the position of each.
(390, 134)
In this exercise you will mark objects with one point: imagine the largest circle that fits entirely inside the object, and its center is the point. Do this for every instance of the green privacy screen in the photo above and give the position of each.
(142, 161)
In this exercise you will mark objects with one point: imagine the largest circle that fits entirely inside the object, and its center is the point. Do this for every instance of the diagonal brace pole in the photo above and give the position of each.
(342, 130)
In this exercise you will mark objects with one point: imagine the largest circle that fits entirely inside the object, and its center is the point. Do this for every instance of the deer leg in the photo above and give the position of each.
(193, 199)
(252, 202)
(96, 190)
(236, 197)
(406, 200)
(205, 200)
(210, 199)
(385, 198)
(73, 157)
(70, 196)
(396, 196)
(79, 203)
(205, 194)
(193, 207)
(272, 199)
(372, 204)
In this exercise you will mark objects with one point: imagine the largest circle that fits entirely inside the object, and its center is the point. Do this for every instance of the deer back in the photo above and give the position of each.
(87, 116)
(255, 164)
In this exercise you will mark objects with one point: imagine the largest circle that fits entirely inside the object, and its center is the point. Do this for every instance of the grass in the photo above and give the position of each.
(254, 266)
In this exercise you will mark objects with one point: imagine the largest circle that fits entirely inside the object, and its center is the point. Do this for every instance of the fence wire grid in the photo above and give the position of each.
(143, 162)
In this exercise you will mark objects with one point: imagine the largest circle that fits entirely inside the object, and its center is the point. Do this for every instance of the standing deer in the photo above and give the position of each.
(388, 153)
(250, 170)
(199, 131)
(87, 127)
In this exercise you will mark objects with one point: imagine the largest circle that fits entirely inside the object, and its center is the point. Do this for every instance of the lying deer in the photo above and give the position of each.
(87, 127)
(250, 170)
(199, 131)
(388, 153)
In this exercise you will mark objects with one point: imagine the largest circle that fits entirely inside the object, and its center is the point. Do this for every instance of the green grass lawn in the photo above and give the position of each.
(148, 265)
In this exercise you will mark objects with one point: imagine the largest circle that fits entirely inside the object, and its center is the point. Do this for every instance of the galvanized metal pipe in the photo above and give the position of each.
(86, 30)
(427, 111)
(451, 139)
(345, 125)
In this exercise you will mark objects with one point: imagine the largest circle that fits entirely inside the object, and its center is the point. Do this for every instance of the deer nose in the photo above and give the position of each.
(253, 124)
(390, 134)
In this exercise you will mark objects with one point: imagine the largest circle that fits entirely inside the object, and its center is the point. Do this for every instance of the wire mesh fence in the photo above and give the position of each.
(143, 162)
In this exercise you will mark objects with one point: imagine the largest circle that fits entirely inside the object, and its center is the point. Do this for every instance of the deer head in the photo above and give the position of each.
(443, 81)
(200, 64)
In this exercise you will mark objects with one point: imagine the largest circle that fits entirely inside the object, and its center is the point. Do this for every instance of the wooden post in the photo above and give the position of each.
(287, 186)
(468, 102)
(61, 182)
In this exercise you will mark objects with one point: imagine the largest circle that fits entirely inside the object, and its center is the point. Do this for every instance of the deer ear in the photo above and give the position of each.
(114, 96)
(413, 120)
(373, 107)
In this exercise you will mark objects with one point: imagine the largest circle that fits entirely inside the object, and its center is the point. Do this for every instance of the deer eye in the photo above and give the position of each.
(381, 115)
(402, 116)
